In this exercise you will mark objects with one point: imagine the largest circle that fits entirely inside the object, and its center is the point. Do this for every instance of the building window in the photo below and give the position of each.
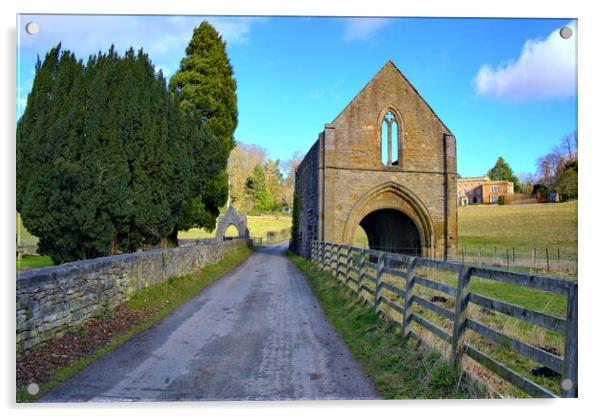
(494, 198)
(495, 189)
(389, 140)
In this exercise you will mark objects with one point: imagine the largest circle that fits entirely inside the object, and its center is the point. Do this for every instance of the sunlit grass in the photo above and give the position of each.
(33, 261)
(400, 369)
(258, 226)
(160, 300)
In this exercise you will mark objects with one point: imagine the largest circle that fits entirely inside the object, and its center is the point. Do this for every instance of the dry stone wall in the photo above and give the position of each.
(52, 301)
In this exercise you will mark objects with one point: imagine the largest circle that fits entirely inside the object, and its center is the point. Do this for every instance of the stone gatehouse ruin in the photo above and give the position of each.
(387, 164)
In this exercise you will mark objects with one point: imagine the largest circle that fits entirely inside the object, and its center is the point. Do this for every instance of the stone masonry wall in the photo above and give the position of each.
(51, 301)
(352, 181)
(306, 187)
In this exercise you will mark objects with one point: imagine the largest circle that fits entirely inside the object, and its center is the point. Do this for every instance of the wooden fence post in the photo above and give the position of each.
(547, 260)
(457, 345)
(380, 268)
(569, 372)
(329, 258)
(338, 258)
(479, 256)
(361, 274)
(409, 298)
(321, 254)
(532, 261)
(347, 264)
(507, 260)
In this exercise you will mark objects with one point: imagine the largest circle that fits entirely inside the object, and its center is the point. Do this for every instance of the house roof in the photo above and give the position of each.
(471, 179)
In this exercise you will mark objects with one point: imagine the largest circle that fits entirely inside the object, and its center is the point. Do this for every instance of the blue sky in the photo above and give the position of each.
(503, 86)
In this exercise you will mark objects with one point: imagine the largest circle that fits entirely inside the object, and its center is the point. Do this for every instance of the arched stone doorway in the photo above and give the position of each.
(394, 219)
(392, 231)
(232, 218)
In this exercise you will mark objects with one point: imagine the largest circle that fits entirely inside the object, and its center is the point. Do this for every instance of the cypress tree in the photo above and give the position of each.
(47, 169)
(207, 91)
(102, 160)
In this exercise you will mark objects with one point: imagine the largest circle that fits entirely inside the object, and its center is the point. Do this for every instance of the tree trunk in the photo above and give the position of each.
(113, 247)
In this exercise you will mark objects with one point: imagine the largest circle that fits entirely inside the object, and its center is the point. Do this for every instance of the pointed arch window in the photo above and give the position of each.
(390, 139)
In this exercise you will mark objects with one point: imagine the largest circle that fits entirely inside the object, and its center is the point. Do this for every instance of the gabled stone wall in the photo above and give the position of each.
(344, 170)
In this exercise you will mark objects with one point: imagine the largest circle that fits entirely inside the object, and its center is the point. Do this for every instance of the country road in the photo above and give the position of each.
(258, 333)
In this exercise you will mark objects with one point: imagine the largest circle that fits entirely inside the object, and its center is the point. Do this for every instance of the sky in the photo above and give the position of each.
(504, 87)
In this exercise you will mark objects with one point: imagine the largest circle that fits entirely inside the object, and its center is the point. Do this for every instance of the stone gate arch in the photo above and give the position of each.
(232, 218)
(398, 210)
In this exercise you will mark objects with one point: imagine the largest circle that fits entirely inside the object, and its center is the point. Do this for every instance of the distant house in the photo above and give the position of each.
(473, 190)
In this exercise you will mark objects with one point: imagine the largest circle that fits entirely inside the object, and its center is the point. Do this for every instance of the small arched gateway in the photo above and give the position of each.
(386, 164)
(232, 218)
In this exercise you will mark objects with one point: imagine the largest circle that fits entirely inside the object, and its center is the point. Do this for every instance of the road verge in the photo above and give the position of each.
(399, 369)
(62, 358)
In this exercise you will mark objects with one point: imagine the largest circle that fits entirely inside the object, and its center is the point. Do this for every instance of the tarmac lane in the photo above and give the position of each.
(258, 333)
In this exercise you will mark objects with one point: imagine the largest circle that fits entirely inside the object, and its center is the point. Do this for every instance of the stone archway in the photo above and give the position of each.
(394, 219)
(392, 231)
(232, 218)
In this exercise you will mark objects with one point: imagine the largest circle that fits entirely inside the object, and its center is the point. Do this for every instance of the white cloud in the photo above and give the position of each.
(160, 36)
(361, 28)
(164, 38)
(545, 69)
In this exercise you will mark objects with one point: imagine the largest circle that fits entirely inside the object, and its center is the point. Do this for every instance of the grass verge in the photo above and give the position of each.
(399, 369)
(33, 261)
(157, 301)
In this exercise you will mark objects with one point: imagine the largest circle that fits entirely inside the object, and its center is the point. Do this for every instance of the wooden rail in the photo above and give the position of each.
(368, 282)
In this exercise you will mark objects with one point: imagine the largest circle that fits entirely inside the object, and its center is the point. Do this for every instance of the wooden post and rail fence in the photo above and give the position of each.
(365, 270)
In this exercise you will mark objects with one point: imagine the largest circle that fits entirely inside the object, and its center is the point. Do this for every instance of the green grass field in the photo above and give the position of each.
(523, 227)
(516, 236)
(493, 228)
(259, 226)
(33, 261)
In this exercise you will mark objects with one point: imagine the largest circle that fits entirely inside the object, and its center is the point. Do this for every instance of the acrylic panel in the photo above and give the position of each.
(240, 208)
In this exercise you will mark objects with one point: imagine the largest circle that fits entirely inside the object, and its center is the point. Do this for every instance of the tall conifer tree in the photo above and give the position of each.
(102, 159)
(207, 90)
